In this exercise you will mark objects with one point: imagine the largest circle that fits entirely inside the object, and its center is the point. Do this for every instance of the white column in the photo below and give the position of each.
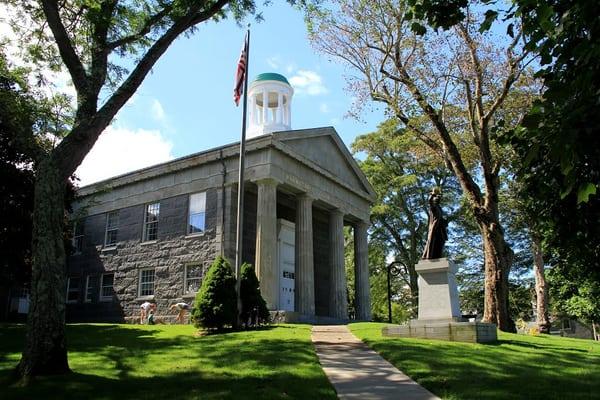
(266, 241)
(338, 299)
(279, 112)
(305, 269)
(252, 122)
(265, 113)
(361, 272)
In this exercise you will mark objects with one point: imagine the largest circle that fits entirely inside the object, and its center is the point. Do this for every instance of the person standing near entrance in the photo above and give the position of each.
(181, 308)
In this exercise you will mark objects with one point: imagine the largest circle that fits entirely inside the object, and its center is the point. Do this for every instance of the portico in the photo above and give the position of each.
(316, 194)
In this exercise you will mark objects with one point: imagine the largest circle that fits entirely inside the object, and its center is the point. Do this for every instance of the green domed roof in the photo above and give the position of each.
(271, 76)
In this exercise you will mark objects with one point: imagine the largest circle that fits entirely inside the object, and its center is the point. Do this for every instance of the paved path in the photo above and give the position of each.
(357, 372)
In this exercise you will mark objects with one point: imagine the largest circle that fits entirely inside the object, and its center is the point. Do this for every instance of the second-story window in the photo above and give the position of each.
(197, 213)
(77, 236)
(151, 221)
(112, 228)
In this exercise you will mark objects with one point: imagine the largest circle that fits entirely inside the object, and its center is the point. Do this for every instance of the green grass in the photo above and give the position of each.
(169, 362)
(516, 367)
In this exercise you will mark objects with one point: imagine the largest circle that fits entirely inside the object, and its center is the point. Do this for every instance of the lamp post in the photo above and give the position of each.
(389, 285)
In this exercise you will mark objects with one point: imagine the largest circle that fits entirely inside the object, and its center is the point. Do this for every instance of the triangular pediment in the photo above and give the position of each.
(324, 150)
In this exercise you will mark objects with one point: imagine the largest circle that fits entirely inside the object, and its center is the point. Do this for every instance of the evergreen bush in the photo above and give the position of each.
(215, 306)
(254, 307)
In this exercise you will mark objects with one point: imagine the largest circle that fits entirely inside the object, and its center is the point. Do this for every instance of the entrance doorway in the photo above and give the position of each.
(286, 250)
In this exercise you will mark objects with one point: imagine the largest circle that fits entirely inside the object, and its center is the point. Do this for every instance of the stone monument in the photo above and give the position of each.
(439, 308)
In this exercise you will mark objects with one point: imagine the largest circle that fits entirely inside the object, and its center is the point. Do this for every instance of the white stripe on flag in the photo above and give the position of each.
(238, 89)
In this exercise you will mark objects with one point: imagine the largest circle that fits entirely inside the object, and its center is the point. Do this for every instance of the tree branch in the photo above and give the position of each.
(150, 23)
(65, 47)
(71, 151)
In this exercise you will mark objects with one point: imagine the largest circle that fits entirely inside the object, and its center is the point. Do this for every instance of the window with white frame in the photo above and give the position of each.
(147, 282)
(90, 285)
(72, 289)
(106, 287)
(192, 278)
(151, 221)
(77, 236)
(197, 213)
(112, 228)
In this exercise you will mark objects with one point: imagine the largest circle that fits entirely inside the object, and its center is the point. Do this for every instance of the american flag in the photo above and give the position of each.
(238, 88)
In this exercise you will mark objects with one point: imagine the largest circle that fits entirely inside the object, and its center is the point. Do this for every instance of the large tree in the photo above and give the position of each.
(558, 144)
(92, 40)
(30, 122)
(402, 171)
(440, 84)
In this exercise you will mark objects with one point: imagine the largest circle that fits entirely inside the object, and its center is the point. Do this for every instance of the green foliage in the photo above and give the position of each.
(254, 308)
(402, 306)
(29, 124)
(574, 295)
(560, 138)
(435, 13)
(216, 306)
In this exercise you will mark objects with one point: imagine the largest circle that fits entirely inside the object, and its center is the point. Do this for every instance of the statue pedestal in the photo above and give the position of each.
(438, 295)
(439, 309)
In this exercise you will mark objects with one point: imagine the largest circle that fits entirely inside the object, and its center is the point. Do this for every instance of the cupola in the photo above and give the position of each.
(269, 102)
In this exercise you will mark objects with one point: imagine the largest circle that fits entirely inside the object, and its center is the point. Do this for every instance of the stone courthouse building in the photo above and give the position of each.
(152, 233)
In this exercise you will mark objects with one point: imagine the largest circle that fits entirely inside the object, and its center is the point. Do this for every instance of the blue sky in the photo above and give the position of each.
(185, 104)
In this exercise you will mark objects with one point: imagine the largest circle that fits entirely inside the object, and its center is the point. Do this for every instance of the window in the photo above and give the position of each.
(77, 236)
(112, 228)
(151, 221)
(197, 212)
(147, 282)
(72, 289)
(192, 279)
(106, 287)
(90, 284)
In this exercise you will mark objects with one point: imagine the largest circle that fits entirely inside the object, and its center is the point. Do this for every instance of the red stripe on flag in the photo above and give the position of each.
(238, 88)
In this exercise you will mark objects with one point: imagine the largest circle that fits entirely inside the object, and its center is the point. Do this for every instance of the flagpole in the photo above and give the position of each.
(240, 202)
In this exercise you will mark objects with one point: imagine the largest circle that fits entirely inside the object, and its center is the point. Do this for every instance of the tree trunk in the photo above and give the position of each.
(498, 259)
(541, 289)
(45, 350)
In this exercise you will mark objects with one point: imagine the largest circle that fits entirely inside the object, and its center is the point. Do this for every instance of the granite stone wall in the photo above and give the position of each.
(168, 256)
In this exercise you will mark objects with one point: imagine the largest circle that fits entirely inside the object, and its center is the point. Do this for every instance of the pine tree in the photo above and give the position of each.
(215, 306)
(254, 308)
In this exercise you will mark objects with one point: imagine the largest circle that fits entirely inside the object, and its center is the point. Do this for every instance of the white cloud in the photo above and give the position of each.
(120, 150)
(274, 62)
(290, 68)
(324, 108)
(308, 82)
(158, 112)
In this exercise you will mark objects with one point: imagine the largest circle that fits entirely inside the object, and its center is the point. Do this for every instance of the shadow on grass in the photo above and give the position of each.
(183, 385)
(111, 361)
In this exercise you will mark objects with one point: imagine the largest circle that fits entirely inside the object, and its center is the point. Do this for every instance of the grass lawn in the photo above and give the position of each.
(169, 362)
(516, 367)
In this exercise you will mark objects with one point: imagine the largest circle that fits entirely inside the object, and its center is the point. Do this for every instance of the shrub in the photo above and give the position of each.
(215, 306)
(254, 308)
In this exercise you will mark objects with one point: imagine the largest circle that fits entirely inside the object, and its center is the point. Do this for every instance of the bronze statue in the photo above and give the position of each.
(436, 234)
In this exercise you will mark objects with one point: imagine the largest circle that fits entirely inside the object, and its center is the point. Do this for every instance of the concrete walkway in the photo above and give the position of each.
(357, 372)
